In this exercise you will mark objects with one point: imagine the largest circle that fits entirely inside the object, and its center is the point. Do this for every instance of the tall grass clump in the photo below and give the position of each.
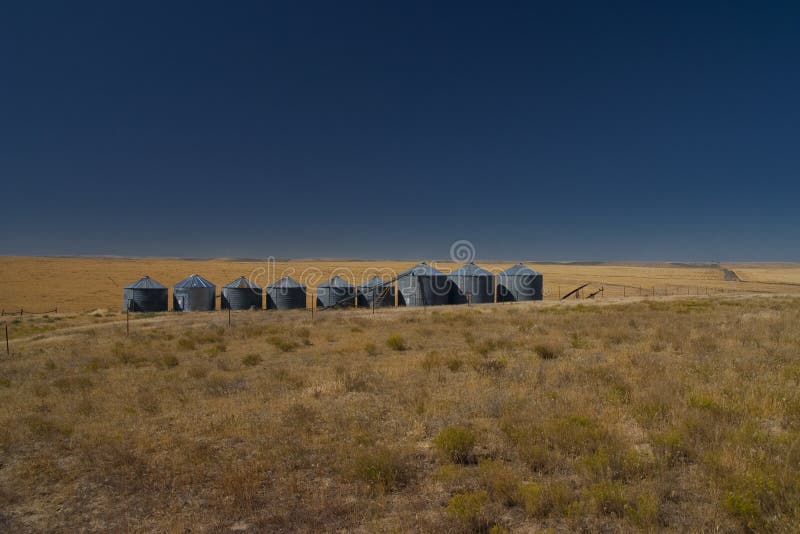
(547, 351)
(396, 342)
(384, 468)
(469, 511)
(456, 443)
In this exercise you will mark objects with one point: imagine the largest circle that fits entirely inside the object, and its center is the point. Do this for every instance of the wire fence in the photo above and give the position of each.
(599, 290)
(22, 312)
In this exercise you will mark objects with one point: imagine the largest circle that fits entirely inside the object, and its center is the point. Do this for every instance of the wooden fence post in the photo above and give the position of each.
(8, 347)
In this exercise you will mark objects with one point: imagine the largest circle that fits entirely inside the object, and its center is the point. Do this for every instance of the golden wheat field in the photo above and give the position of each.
(637, 413)
(83, 284)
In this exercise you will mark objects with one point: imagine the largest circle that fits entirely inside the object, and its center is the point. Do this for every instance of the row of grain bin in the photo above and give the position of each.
(424, 285)
(421, 285)
(195, 293)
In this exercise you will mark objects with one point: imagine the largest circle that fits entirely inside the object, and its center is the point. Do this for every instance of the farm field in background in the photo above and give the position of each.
(666, 413)
(84, 284)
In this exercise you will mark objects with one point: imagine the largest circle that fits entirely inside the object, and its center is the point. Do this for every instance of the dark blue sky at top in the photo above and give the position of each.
(546, 130)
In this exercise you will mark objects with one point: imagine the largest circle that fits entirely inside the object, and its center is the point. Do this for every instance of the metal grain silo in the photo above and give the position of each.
(422, 285)
(286, 294)
(194, 293)
(376, 292)
(145, 295)
(241, 294)
(335, 292)
(519, 283)
(472, 283)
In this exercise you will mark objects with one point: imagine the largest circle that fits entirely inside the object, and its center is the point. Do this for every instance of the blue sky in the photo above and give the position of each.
(550, 131)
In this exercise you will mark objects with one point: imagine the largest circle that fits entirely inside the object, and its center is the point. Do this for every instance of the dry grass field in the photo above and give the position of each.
(85, 284)
(615, 414)
(656, 414)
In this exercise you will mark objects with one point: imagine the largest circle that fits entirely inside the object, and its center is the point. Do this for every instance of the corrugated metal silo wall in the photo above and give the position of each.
(519, 288)
(241, 298)
(383, 294)
(481, 289)
(425, 290)
(145, 300)
(331, 296)
(538, 287)
(194, 299)
(286, 298)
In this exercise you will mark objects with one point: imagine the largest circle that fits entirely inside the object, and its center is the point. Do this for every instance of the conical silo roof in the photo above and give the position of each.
(519, 270)
(470, 269)
(242, 283)
(194, 280)
(145, 283)
(285, 282)
(336, 282)
(422, 269)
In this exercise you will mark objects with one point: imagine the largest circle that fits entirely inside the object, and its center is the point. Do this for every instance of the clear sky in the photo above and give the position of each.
(536, 130)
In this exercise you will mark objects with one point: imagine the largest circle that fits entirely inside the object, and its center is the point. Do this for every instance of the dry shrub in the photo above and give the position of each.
(469, 511)
(288, 378)
(359, 381)
(487, 346)
(72, 384)
(220, 384)
(283, 344)
(490, 366)
(396, 342)
(704, 344)
(97, 363)
(241, 484)
(454, 364)
(186, 343)
(608, 498)
(456, 443)
(382, 467)
(431, 361)
(197, 371)
(541, 499)
(547, 351)
(148, 402)
(252, 360)
(500, 480)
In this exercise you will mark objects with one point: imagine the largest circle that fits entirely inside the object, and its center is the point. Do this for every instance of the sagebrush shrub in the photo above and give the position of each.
(383, 467)
(456, 443)
(396, 342)
(251, 359)
(547, 352)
